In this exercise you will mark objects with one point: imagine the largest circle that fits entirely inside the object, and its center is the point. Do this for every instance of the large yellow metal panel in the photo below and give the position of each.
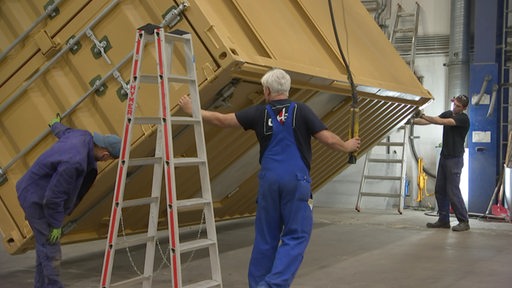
(235, 43)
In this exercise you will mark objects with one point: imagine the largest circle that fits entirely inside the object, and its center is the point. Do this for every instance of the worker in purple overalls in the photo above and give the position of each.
(54, 185)
(284, 216)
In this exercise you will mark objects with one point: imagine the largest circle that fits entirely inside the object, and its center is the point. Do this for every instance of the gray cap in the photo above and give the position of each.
(110, 142)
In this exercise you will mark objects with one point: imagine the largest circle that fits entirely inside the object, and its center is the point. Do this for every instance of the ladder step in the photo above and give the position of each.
(147, 120)
(124, 243)
(379, 177)
(181, 79)
(406, 14)
(390, 144)
(404, 30)
(169, 37)
(145, 161)
(196, 244)
(139, 202)
(138, 279)
(203, 284)
(185, 120)
(376, 194)
(188, 161)
(192, 202)
(153, 79)
(380, 160)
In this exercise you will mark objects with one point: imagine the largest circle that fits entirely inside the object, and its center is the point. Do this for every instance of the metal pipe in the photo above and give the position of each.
(114, 72)
(20, 38)
(73, 107)
(458, 58)
(493, 100)
(477, 98)
(45, 67)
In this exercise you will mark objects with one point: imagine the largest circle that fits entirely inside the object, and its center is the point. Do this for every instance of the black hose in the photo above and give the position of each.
(354, 105)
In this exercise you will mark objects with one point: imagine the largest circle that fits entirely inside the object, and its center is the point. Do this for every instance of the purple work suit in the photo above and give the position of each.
(50, 189)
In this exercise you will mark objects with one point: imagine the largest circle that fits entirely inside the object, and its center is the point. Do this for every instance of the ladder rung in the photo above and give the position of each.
(124, 243)
(404, 30)
(138, 279)
(379, 177)
(181, 79)
(406, 14)
(147, 120)
(376, 194)
(196, 244)
(379, 160)
(152, 79)
(390, 144)
(187, 161)
(139, 202)
(185, 120)
(203, 284)
(192, 202)
(145, 161)
(174, 37)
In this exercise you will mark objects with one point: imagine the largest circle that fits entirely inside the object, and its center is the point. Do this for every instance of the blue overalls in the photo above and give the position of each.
(284, 218)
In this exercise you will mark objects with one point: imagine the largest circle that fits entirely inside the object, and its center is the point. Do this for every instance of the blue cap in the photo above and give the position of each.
(110, 142)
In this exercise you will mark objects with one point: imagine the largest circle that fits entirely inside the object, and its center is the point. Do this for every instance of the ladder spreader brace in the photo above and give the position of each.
(164, 163)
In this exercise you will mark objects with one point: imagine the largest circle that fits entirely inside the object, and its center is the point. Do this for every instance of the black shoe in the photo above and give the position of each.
(462, 226)
(438, 224)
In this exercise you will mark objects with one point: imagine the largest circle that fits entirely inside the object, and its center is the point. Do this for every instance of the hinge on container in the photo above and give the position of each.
(54, 10)
(75, 45)
(101, 89)
(173, 15)
(101, 47)
(3, 177)
(122, 91)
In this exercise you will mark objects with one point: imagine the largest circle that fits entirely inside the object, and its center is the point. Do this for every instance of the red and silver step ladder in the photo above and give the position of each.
(164, 163)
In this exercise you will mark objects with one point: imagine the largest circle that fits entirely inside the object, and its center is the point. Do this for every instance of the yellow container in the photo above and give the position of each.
(53, 65)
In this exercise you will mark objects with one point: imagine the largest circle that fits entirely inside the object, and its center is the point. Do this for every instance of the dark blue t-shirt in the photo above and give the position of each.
(454, 136)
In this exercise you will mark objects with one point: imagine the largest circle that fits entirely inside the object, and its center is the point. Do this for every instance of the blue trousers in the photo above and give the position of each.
(48, 257)
(448, 190)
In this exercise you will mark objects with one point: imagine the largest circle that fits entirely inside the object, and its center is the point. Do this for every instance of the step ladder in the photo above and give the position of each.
(404, 32)
(384, 170)
(164, 163)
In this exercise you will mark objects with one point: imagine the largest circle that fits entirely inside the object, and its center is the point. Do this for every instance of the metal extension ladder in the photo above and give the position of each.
(403, 35)
(164, 163)
(380, 170)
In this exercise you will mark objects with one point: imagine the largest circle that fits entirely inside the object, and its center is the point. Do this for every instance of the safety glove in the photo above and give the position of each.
(418, 113)
(54, 236)
(54, 120)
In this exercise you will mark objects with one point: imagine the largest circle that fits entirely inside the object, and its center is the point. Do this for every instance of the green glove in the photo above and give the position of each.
(54, 236)
(54, 120)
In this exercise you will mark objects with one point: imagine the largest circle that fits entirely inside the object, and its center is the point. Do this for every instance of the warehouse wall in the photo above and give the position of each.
(342, 191)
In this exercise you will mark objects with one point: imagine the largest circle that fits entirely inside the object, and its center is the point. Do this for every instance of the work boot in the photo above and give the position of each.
(462, 226)
(439, 224)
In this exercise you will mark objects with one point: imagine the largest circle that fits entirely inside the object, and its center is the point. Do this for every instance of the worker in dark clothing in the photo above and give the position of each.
(54, 185)
(284, 217)
(455, 128)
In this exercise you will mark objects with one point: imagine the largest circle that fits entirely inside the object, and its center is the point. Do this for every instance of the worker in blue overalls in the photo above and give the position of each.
(54, 185)
(284, 216)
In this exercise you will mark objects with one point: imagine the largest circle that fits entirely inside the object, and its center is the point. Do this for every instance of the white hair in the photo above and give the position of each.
(277, 81)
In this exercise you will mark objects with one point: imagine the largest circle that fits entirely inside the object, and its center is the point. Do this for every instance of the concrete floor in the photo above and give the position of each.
(374, 248)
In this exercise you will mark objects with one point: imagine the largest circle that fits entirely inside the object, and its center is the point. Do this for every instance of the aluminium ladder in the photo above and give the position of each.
(164, 163)
(404, 32)
(380, 171)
